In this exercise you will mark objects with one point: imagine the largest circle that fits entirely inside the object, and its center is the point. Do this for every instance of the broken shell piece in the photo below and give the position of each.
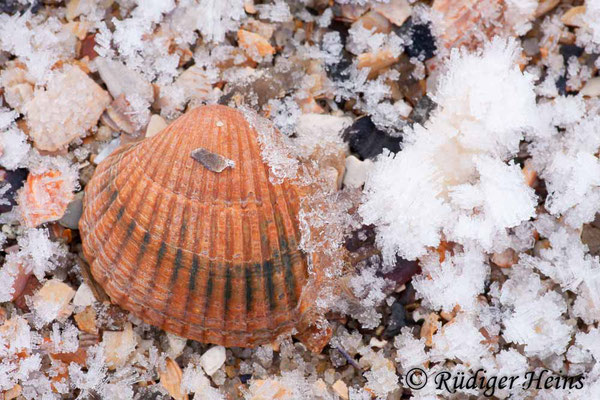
(573, 17)
(118, 346)
(212, 161)
(120, 116)
(52, 301)
(545, 6)
(263, 29)
(268, 390)
(45, 197)
(76, 8)
(70, 105)
(17, 85)
(84, 296)
(194, 85)
(377, 62)
(352, 12)
(396, 11)
(156, 124)
(256, 46)
(120, 80)
(170, 379)
(176, 344)
(374, 21)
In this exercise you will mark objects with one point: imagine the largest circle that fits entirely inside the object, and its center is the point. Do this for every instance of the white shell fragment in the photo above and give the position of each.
(213, 359)
(212, 161)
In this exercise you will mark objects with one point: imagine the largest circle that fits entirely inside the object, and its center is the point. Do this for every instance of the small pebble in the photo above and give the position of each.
(341, 389)
(107, 150)
(591, 88)
(376, 343)
(84, 296)
(356, 172)
(213, 359)
(396, 321)
(73, 212)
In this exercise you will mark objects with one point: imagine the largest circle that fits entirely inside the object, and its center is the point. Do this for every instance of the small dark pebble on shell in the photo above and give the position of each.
(366, 140)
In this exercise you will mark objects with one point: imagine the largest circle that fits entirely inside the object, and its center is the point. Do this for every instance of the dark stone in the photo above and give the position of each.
(561, 85)
(408, 295)
(244, 378)
(366, 140)
(421, 42)
(9, 6)
(422, 110)
(570, 50)
(16, 180)
(567, 51)
(340, 27)
(403, 271)
(354, 242)
(340, 71)
(14, 6)
(396, 321)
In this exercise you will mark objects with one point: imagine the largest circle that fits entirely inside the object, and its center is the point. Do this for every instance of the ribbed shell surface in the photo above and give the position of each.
(209, 256)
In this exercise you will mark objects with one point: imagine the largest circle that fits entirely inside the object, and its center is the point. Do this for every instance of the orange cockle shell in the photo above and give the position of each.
(211, 256)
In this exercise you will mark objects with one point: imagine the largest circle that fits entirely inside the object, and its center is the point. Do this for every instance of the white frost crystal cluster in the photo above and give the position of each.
(454, 179)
